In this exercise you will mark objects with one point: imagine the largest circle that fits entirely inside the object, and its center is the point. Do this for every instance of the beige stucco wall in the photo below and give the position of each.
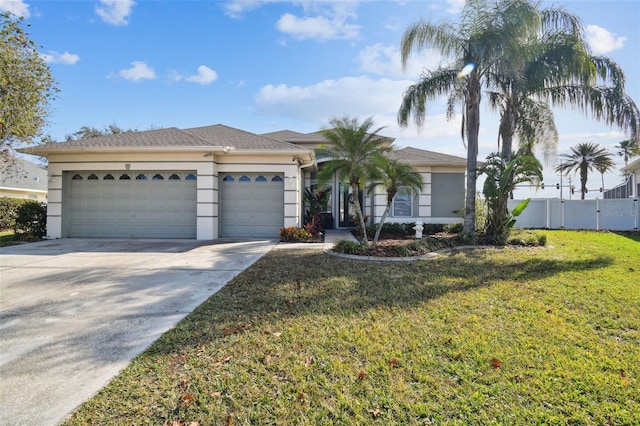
(207, 167)
(24, 193)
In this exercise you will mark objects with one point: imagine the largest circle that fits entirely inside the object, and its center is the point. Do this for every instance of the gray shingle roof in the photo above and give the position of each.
(149, 138)
(21, 174)
(221, 135)
(283, 135)
(417, 156)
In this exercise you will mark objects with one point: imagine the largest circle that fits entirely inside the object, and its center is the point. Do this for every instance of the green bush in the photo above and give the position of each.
(27, 218)
(350, 247)
(393, 229)
(31, 220)
(453, 228)
(527, 238)
(293, 233)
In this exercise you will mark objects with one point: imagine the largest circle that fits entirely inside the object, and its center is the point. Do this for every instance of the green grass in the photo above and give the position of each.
(492, 336)
(6, 238)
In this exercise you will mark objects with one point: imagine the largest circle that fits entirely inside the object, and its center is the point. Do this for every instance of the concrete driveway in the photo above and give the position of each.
(74, 312)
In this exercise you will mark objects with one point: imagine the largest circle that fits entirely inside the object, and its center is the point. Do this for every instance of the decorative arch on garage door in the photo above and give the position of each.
(130, 204)
(251, 205)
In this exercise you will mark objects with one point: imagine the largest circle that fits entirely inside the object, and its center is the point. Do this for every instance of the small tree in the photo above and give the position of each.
(395, 175)
(26, 86)
(317, 200)
(502, 178)
(355, 153)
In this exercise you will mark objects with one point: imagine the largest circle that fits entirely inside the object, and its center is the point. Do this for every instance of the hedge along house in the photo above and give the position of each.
(219, 182)
(440, 201)
(204, 183)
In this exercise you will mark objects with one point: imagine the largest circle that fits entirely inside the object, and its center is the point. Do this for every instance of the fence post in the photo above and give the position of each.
(561, 214)
(597, 214)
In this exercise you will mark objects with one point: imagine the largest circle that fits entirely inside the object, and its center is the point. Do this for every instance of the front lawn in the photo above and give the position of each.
(490, 336)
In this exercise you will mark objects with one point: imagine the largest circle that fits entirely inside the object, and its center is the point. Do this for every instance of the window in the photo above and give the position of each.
(108, 176)
(228, 178)
(174, 177)
(141, 176)
(125, 177)
(261, 179)
(157, 176)
(403, 203)
(191, 176)
(276, 179)
(76, 177)
(92, 176)
(244, 178)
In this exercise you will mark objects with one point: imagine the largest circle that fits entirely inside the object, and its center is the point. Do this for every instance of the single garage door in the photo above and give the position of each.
(252, 205)
(109, 204)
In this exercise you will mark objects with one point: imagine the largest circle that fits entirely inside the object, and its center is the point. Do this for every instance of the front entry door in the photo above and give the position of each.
(346, 207)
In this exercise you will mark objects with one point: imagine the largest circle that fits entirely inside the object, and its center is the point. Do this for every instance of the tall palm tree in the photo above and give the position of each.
(627, 149)
(487, 36)
(395, 175)
(355, 153)
(556, 66)
(584, 158)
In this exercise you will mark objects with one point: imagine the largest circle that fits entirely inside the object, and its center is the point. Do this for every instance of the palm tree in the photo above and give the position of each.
(627, 149)
(556, 66)
(395, 175)
(585, 157)
(487, 37)
(355, 153)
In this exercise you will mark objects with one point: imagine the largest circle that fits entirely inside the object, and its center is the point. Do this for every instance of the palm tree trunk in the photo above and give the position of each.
(382, 219)
(507, 129)
(583, 181)
(362, 228)
(473, 127)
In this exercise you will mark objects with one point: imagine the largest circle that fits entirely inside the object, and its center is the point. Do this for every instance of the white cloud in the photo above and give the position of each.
(603, 41)
(138, 71)
(17, 7)
(205, 76)
(65, 58)
(237, 8)
(455, 6)
(385, 60)
(322, 21)
(115, 12)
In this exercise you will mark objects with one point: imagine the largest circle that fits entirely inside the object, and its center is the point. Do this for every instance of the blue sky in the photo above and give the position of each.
(266, 65)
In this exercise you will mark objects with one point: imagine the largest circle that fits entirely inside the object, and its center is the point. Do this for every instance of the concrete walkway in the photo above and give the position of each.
(74, 312)
(330, 238)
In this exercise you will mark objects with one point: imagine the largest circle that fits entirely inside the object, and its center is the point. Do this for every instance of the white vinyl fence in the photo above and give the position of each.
(611, 214)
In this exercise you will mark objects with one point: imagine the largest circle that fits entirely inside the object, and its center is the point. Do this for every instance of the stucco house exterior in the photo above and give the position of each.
(217, 182)
(20, 178)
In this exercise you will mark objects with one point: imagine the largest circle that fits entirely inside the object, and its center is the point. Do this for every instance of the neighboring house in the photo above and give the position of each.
(631, 186)
(20, 178)
(217, 182)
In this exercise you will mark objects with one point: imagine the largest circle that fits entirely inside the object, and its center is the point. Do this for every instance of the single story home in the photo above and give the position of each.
(218, 182)
(20, 178)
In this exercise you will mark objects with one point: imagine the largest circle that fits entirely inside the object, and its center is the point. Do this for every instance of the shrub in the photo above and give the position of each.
(293, 233)
(350, 247)
(527, 238)
(453, 228)
(31, 220)
(27, 218)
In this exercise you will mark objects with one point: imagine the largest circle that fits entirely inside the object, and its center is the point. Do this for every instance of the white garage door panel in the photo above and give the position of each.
(148, 205)
(252, 205)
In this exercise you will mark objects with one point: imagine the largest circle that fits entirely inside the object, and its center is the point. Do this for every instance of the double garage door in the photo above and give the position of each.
(150, 204)
(162, 204)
